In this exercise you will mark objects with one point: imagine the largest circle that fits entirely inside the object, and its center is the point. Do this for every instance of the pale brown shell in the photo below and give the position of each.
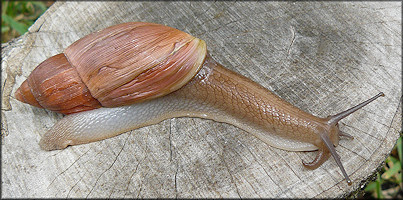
(120, 65)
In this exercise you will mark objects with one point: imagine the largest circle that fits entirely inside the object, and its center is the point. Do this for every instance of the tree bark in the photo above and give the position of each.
(321, 57)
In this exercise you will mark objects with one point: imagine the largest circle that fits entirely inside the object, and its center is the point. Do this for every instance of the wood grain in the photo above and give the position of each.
(321, 57)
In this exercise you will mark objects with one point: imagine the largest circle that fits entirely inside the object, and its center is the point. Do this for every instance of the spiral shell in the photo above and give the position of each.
(120, 65)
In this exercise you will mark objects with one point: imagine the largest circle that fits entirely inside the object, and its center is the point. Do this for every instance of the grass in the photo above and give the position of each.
(388, 183)
(18, 16)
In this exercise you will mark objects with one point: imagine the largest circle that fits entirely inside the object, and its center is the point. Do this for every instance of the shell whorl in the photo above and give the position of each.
(55, 85)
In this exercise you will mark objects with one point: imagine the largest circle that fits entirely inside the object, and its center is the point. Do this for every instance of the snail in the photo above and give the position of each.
(137, 74)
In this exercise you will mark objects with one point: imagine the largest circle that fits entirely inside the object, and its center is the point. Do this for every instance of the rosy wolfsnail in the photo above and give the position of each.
(136, 74)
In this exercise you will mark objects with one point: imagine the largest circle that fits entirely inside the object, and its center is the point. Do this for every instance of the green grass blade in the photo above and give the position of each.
(41, 5)
(399, 148)
(378, 187)
(392, 171)
(19, 27)
(392, 159)
(370, 187)
(4, 29)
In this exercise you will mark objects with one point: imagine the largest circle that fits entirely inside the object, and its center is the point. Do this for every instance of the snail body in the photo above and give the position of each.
(136, 74)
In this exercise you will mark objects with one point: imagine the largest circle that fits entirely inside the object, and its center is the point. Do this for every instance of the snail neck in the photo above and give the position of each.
(223, 95)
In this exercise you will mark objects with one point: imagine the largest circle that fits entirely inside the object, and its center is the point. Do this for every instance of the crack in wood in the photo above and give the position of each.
(229, 172)
(176, 188)
(267, 174)
(110, 166)
(292, 169)
(75, 161)
(72, 187)
(170, 140)
(292, 40)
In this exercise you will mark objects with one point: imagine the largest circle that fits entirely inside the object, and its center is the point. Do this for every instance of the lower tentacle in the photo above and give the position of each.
(346, 135)
(321, 157)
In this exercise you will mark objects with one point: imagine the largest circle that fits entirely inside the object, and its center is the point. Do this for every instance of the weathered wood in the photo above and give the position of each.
(321, 57)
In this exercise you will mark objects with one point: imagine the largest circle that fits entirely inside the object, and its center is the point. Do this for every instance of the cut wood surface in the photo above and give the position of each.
(321, 57)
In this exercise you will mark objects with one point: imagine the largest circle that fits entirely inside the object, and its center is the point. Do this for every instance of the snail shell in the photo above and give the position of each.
(120, 65)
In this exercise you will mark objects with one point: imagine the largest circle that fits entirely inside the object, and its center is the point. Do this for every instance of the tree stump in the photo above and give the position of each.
(323, 57)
